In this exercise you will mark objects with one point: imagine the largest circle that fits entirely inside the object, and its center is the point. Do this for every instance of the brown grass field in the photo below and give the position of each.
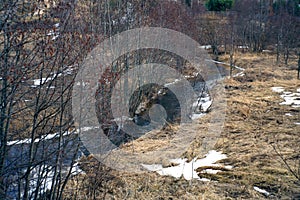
(258, 138)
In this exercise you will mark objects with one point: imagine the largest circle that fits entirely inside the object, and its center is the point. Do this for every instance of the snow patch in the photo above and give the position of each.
(261, 191)
(122, 119)
(42, 178)
(188, 169)
(243, 47)
(83, 84)
(240, 74)
(218, 62)
(197, 116)
(202, 104)
(44, 137)
(278, 89)
(290, 99)
(175, 81)
(206, 105)
(41, 81)
(83, 129)
(205, 47)
(287, 93)
(76, 169)
(55, 32)
(267, 51)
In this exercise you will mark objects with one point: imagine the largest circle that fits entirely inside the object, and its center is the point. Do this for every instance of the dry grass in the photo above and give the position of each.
(254, 125)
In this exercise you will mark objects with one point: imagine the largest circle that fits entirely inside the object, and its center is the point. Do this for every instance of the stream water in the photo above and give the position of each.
(49, 156)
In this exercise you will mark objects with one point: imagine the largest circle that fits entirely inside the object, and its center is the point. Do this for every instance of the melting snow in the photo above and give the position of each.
(122, 119)
(46, 180)
(175, 81)
(76, 169)
(187, 169)
(267, 51)
(43, 175)
(287, 93)
(197, 116)
(83, 84)
(218, 62)
(278, 89)
(205, 47)
(68, 71)
(200, 107)
(41, 81)
(55, 37)
(204, 104)
(55, 32)
(83, 129)
(292, 99)
(44, 137)
(240, 74)
(243, 47)
(261, 191)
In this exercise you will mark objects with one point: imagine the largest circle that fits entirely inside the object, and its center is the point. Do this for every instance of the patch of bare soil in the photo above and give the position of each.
(260, 140)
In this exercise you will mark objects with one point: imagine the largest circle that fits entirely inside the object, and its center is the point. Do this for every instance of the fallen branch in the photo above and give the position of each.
(218, 62)
(294, 173)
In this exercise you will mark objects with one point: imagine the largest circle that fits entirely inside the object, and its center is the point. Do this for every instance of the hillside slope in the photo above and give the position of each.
(260, 138)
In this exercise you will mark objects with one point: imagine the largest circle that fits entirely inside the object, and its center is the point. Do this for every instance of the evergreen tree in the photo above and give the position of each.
(219, 5)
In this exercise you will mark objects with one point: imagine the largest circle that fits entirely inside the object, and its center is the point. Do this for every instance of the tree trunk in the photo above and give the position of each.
(286, 55)
(299, 65)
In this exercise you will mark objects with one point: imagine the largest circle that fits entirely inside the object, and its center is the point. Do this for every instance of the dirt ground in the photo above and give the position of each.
(260, 140)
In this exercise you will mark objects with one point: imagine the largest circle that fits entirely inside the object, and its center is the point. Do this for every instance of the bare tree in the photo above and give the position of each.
(39, 58)
(298, 66)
